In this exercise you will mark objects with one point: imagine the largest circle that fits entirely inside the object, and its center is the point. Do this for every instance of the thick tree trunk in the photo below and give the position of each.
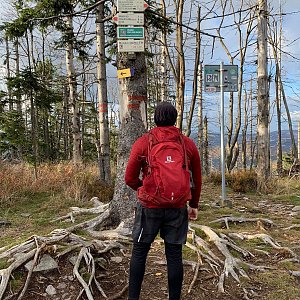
(263, 142)
(104, 155)
(132, 102)
(73, 97)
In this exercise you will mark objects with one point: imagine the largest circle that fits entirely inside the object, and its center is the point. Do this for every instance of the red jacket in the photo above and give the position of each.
(139, 154)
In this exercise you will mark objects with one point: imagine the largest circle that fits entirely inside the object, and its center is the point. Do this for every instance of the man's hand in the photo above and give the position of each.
(192, 213)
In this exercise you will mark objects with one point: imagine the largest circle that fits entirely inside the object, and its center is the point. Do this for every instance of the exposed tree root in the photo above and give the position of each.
(265, 238)
(222, 263)
(227, 220)
(231, 266)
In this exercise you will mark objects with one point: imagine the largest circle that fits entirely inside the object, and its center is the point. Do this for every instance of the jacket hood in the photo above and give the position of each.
(165, 133)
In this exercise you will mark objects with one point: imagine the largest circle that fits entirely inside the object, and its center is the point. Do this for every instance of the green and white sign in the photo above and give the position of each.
(130, 32)
(212, 78)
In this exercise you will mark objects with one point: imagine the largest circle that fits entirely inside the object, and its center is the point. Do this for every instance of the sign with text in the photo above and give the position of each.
(130, 32)
(131, 45)
(212, 78)
(131, 5)
(124, 19)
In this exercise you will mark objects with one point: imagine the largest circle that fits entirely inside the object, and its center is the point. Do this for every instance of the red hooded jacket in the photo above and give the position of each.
(139, 154)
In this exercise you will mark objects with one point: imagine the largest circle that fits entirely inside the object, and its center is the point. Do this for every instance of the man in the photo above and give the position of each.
(159, 213)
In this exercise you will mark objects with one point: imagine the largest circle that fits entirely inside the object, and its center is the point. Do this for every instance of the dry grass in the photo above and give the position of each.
(78, 183)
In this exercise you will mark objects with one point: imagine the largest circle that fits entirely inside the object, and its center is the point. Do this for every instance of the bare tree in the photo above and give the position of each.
(232, 136)
(263, 110)
(104, 149)
(73, 96)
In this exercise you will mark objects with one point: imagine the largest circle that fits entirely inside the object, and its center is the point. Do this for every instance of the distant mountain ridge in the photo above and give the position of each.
(214, 140)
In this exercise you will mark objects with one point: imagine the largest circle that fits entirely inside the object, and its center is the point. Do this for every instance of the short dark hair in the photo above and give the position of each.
(165, 114)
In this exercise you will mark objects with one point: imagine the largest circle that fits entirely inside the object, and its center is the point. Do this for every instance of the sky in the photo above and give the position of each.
(290, 56)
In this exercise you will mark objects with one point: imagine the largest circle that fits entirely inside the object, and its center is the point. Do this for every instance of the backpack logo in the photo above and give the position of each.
(169, 160)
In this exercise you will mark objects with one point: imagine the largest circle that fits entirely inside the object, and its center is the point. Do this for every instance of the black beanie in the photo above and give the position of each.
(165, 114)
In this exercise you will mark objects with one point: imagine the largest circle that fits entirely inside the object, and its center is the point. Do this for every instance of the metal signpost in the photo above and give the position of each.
(221, 78)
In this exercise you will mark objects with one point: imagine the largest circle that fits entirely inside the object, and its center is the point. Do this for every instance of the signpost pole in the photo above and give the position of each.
(222, 134)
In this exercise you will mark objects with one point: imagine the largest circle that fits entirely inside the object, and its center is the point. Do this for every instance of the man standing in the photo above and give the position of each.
(171, 177)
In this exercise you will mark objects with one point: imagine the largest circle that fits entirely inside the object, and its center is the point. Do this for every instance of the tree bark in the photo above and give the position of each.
(180, 67)
(104, 155)
(263, 141)
(73, 97)
(195, 80)
(132, 102)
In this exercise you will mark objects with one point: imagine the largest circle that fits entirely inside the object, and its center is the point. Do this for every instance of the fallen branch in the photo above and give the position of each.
(227, 220)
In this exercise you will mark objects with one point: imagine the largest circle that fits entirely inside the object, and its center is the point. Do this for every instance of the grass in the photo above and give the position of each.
(30, 203)
(281, 286)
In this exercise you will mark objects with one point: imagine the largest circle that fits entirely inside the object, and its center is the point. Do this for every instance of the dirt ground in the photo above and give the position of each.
(112, 268)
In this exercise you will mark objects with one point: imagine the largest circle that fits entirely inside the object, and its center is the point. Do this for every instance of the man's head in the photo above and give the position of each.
(165, 114)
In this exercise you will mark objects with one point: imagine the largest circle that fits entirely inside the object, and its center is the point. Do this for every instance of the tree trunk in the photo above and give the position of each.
(104, 155)
(293, 142)
(73, 97)
(33, 117)
(18, 95)
(180, 78)
(205, 146)
(7, 59)
(263, 142)
(195, 78)
(244, 134)
(132, 102)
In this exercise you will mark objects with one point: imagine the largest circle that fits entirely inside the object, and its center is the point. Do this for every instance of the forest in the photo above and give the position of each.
(72, 103)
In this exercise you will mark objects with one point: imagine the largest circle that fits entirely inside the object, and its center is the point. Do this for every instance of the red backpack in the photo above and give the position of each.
(168, 180)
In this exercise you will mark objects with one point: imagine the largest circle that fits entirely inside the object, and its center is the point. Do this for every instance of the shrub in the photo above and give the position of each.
(238, 181)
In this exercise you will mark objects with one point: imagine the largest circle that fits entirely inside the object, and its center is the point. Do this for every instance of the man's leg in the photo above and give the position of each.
(175, 269)
(137, 269)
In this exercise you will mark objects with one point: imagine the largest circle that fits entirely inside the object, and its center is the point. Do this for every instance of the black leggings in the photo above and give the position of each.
(137, 269)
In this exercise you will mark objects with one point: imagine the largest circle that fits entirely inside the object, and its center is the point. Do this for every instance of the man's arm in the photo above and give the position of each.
(134, 166)
(197, 176)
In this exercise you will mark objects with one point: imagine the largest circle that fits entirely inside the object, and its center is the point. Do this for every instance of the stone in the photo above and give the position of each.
(50, 290)
(61, 286)
(296, 208)
(47, 263)
(116, 259)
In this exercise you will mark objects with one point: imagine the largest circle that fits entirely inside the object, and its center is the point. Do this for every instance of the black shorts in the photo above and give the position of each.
(171, 223)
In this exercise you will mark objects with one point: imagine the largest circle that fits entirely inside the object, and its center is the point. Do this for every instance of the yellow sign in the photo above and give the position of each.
(125, 73)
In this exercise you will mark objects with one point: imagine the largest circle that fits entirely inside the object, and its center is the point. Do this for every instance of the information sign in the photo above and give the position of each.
(131, 5)
(130, 32)
(212, 78)
(129, 18)
(131, 45)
